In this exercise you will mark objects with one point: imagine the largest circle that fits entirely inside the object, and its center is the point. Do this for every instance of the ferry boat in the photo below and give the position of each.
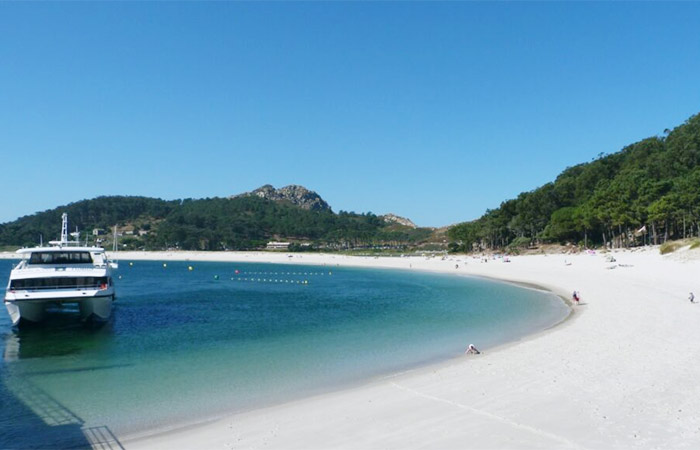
(62, 273)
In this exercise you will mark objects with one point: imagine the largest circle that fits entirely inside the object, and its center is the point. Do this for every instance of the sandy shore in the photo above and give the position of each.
(622, 374)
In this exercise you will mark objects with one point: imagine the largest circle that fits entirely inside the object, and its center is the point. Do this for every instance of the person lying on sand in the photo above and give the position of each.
(472, 349)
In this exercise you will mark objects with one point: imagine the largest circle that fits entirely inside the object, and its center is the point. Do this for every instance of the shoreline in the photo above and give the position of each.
(390, 263)
(356, 262)
(329, 261)
(621, 375)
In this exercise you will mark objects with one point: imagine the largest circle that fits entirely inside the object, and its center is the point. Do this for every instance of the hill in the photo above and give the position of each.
(294, 194)
(647, 192)
(238, 223)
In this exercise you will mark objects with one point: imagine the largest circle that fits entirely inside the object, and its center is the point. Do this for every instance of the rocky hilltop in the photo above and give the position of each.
(295, 194)
(393, 218)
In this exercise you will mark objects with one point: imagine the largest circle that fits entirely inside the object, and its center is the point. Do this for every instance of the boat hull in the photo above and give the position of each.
(97, 307)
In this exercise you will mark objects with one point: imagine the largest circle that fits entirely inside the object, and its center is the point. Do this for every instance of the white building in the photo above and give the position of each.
(272, 245)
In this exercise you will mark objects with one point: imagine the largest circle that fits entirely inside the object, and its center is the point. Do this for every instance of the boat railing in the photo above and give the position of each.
(54, 265)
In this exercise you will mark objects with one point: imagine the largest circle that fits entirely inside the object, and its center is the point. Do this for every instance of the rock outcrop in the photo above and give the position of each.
(297, 195)
(393, 218)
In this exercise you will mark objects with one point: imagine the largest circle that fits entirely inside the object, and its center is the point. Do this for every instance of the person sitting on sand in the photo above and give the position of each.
(576, 297)
(472, 349)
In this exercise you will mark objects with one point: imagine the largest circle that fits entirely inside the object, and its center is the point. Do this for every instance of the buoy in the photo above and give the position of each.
(190, 268)
(216, 277)
(131, 264)
(165, 265)
(236, 272)
(120, 277)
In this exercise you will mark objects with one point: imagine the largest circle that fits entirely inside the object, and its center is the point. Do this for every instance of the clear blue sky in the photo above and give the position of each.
(434, 111)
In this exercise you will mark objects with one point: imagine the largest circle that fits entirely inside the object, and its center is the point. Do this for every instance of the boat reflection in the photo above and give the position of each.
(60, 335)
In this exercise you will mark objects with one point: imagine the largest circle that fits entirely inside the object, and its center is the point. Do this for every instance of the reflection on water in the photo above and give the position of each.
(58, 335)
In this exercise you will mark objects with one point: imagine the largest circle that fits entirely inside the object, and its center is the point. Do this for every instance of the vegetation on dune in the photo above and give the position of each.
(669, 247)
(672, 246)
(647, 192)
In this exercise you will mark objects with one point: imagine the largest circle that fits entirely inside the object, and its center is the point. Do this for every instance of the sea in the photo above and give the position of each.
(192, 341)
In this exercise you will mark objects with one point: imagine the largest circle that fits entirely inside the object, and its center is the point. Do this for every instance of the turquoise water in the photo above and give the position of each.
(188, 345)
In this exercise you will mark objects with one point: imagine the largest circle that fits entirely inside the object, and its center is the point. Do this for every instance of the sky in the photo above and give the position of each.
(435, 111)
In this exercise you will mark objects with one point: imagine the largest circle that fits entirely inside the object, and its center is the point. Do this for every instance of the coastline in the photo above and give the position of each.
(621, 375)
(555, 301)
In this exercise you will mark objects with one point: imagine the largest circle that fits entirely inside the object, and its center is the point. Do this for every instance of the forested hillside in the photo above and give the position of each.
(239, 223)
(647, 192)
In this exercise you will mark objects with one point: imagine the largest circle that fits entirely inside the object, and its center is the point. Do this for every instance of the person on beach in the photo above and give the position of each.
(471, 349)
(576, 297)
(691, 298)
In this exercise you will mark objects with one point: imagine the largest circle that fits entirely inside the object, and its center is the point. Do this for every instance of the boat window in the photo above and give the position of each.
(59, 283)
(60, 258)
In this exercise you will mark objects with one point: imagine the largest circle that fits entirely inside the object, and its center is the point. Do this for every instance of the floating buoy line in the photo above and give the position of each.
(262, 277)
(268, 280)
(312, 274)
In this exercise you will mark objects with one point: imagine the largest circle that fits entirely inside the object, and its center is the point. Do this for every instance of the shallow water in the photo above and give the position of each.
(187, 345)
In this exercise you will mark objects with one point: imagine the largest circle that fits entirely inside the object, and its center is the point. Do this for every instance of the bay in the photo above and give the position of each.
(192, 341)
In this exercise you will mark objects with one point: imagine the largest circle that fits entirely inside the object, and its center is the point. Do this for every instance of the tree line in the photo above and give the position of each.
(240, 223)
(648, 192)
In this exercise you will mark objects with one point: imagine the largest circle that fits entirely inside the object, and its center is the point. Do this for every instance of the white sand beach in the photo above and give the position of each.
(623, 372)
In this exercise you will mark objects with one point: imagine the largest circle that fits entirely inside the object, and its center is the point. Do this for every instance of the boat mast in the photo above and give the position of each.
(64, 230)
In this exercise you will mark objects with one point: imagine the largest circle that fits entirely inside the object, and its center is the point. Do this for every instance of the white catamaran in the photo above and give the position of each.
(63, 272)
